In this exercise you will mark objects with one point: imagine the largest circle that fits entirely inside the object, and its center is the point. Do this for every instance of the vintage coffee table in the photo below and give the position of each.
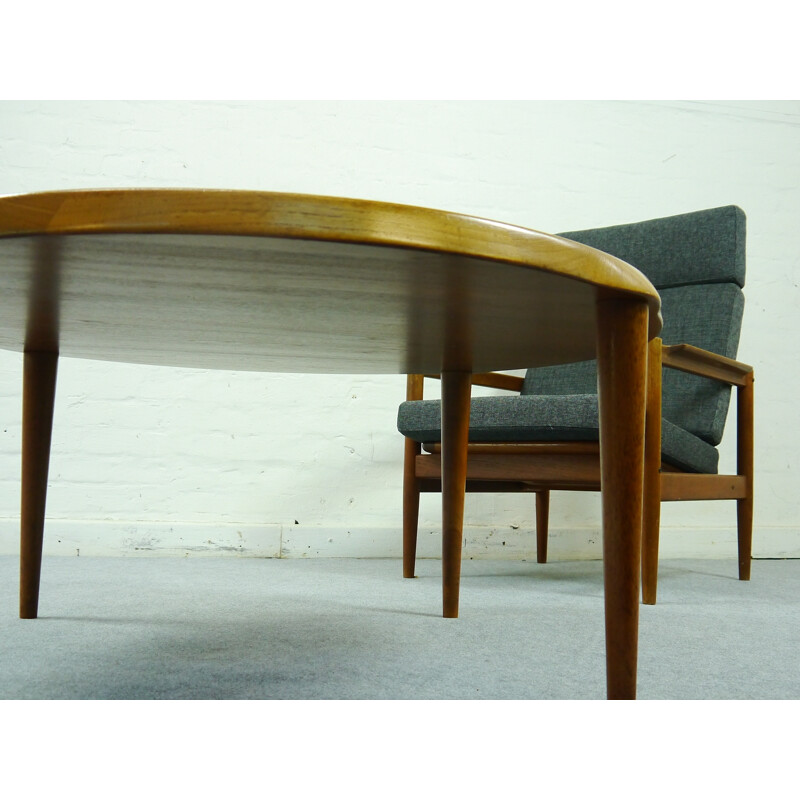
(293, 283)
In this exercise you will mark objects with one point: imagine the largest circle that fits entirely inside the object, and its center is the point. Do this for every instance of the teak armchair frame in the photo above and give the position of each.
(540, 467)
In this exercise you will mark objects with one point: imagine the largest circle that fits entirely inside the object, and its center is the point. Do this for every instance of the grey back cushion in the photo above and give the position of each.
(697, 262)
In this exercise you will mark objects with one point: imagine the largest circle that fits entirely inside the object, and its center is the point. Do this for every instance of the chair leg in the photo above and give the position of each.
(38, 395)
(542, 518)
(622, 378)
(744, 514)
(410, 508)
(651, 498)
(651, 522)
(744, 507)
(456, 389)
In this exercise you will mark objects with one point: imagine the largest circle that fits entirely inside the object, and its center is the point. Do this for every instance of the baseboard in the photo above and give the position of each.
(131, 538)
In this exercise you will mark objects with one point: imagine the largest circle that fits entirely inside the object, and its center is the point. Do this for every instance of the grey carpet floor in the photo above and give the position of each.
(224, 628)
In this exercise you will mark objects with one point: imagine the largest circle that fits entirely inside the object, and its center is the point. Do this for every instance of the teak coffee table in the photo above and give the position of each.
(293, 283)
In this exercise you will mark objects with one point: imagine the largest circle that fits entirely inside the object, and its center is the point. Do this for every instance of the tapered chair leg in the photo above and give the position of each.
(744, 514)
(456, 389)
(622, 378)
(744, 507)
(410, 508)
(38, 395)
(651, 512)
(414, 389)
(542, 518)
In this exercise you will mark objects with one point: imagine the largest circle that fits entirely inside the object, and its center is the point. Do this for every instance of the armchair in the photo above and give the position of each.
(546, 437)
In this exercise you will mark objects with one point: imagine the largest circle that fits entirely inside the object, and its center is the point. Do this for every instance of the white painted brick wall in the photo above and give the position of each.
(154, 460)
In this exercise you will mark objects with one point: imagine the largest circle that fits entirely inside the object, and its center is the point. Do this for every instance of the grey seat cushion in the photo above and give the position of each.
(543, 418)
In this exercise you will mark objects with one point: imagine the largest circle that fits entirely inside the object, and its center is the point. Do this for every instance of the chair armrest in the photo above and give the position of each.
(494, 380)
(687, 358)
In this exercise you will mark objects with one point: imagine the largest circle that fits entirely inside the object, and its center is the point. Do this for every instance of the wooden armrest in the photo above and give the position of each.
(687, 358)
(494, 380)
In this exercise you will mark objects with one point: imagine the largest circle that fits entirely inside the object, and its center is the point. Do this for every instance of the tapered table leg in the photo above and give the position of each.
(38, 394)
(456, 390)
(622, 371)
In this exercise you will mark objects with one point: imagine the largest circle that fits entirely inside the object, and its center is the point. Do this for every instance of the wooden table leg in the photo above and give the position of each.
(38, 395)
(622, 371)
(456, 390)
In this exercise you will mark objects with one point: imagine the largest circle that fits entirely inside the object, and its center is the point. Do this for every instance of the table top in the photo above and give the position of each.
(295, 283)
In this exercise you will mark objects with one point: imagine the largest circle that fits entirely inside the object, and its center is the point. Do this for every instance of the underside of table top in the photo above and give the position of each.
(295, 283)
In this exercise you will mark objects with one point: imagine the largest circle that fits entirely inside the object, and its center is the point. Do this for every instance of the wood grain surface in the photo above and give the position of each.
(294, 283)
